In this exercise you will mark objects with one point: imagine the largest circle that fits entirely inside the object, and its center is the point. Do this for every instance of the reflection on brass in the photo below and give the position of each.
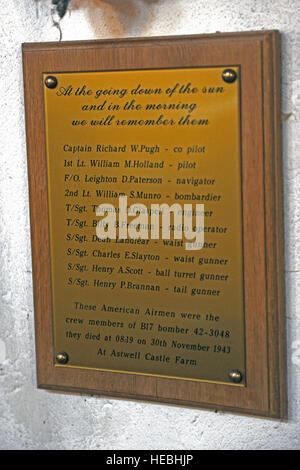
(62, 358)
(235, 376)
(146, 306)
(229, 75)
(51, 81)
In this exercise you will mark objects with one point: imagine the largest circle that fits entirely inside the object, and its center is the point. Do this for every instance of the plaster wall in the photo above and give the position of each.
(37, 419)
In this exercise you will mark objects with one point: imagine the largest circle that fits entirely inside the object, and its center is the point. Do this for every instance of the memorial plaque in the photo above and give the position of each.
(155, 188)
(141, 304)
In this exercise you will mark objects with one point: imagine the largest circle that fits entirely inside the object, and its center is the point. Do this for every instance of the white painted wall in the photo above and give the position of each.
(36, 419)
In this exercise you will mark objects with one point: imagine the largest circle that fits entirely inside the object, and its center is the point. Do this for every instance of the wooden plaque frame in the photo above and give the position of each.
(258, 54)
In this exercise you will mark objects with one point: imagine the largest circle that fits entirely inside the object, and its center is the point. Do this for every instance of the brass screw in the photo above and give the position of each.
(51, 81)
(62, 357)
(229, 75)
(235, 376)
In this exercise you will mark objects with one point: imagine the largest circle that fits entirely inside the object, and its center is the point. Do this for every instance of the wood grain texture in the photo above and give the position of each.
(258, 54)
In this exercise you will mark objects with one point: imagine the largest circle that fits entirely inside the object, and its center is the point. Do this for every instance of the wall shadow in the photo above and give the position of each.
(117, 18)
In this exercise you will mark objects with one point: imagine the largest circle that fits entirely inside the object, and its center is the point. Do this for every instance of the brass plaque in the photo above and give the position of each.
(139, 302)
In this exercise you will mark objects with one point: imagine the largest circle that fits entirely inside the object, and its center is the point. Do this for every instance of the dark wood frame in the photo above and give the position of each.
(258, 53)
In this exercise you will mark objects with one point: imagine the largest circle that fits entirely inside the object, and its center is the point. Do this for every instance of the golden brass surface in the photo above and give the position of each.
(146, 306)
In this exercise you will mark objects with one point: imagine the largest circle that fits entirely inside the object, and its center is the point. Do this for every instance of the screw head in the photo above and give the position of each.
(62, 358)
(229, 75)
(235, 376)
(51, 81)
